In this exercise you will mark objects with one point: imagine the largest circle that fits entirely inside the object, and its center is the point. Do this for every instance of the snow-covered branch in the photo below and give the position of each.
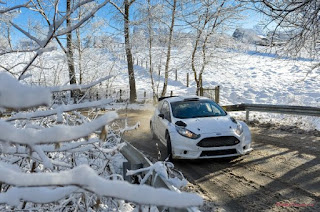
(9, 133)
(112, 150)
(48, 148)
(27, 34)
(8, 9)
(129, 128)
(18, 96)
(59, 110)
(86, 178)
(159, 169)
(84, 19)
(75, 87)
(14, 195)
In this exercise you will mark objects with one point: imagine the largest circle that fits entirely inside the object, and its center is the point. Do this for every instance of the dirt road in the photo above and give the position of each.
(281, 174)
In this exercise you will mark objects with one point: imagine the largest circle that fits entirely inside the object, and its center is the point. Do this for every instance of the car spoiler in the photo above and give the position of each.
(165, 97)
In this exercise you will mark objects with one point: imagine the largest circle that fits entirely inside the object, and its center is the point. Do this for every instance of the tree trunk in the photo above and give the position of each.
(154, 95)
(166, 71)
(132, 82)
(193, 66)
(72, 74)
(80, 56)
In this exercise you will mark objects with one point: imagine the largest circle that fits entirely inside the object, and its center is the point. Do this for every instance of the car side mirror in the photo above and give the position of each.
(161, 115)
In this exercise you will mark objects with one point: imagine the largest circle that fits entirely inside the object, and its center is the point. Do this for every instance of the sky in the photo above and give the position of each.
(250, 19)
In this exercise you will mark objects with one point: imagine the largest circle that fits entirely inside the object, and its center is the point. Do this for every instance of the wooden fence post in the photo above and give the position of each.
(201, 91)
(176, 78)
(187, 79)
(171, 93)
(120, 95)
(217, 94)
(247, 116)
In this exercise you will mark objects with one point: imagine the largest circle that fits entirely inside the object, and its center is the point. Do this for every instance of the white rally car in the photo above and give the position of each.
(196, 127)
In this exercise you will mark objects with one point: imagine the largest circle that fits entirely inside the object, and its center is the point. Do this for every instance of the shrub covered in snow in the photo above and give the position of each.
(51, 159)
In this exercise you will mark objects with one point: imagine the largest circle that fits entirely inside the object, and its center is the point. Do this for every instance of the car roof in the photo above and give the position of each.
(182, 98)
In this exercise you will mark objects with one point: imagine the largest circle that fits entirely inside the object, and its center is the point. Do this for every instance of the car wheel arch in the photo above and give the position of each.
(169, 146)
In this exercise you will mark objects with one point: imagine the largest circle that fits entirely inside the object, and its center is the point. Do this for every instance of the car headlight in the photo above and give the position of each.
(239, 129)
(186, 133)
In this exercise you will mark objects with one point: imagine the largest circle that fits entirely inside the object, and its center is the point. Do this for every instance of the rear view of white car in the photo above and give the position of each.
(196, 127)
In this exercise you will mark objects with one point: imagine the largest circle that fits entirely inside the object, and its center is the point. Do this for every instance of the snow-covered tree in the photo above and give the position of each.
(293, 23)
(206, 18)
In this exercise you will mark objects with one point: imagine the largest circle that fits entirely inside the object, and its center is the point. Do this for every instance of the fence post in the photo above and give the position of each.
(176, 75)
(120, 95)
(217, 94)
(171, 93)
(201, 91)
(187, 79)
(247, 116)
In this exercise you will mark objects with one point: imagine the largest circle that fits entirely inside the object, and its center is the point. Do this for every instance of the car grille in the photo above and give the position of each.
(218, 152)
(218, 141)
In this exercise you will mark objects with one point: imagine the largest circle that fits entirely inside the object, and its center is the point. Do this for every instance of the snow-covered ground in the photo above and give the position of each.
(243, 77)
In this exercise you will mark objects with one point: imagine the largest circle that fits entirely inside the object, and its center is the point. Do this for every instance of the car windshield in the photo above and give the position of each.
(196, 109)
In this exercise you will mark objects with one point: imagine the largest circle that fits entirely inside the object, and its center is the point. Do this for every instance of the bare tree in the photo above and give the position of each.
(70, 59)
(206, 18)
(54, 29)
(166, 70)
(128, 46)
(150, 42)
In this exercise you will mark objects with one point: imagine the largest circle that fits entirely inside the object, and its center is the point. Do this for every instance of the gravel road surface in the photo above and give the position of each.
(281, 174)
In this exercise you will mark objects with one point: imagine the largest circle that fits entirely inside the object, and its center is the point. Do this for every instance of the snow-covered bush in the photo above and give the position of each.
(52, 159)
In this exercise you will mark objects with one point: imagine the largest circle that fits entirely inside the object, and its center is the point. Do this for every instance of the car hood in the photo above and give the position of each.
(206, 125)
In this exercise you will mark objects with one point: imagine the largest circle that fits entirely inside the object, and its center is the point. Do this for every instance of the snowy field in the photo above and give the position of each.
(243, 77)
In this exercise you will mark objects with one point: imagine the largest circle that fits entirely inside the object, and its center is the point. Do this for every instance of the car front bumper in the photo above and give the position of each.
(185, 148)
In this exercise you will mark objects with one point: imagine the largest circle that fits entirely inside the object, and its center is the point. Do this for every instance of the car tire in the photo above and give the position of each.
(169, 148)
(152, 132)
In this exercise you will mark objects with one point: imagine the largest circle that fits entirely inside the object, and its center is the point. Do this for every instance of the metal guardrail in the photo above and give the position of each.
(283, 109)
(134, 156)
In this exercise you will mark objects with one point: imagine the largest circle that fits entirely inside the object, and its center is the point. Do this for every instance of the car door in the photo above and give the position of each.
(162, 123)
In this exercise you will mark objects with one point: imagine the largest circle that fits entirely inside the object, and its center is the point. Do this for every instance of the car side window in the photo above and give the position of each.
(165, 110)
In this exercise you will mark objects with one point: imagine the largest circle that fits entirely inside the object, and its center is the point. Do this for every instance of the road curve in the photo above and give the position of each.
(281, 174)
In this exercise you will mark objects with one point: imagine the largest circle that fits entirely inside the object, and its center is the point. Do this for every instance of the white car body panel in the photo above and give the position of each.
(214, 129)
